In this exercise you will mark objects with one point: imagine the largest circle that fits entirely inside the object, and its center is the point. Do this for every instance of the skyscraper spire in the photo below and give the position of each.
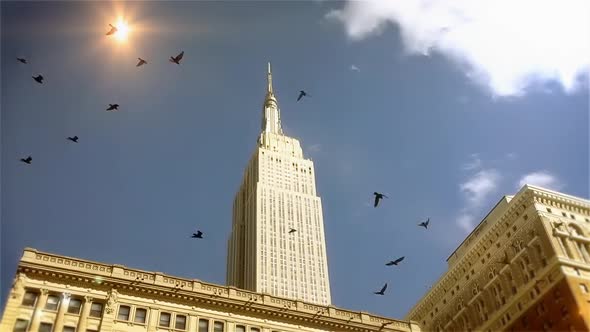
(271, 115)
(269, 76)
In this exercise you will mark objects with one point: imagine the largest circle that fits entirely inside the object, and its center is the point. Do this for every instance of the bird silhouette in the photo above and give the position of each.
(141, 62)
(39, 78)
(27, 160)
(112, 31)
(177, 58)
(73, 139)
(197, 235)
(425, 223)
(395, 262)
(382, 291)
(113, 107)
(23, 60)
(378, 197)
(292, 230)
(301, 95)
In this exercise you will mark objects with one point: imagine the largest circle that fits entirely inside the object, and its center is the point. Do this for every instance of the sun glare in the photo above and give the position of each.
(122, 30)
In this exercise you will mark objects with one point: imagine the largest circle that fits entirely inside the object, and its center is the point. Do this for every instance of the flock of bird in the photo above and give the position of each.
(378, 198)
(199, 234)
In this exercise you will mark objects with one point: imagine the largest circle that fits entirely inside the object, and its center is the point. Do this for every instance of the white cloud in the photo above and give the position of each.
(315, 148)
(466, 221)
(542, 179)
(354, 68)
(475, 163)
(504, 45)
(478, 187)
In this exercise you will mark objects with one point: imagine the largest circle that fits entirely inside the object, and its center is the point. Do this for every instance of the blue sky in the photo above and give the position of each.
(425, 120)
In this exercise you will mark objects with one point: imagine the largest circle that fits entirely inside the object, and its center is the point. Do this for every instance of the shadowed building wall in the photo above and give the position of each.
(525, 267)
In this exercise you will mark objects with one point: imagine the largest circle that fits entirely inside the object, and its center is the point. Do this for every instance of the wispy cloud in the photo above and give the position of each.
(542, 179)
(474, 163)
(354, 68)
(314, 148)
(503, 45)
(476, 189)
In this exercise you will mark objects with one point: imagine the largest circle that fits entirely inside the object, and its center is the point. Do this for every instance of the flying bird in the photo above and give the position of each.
(141, 62)
(27, 160)
(292, 230)
(425, 223)
(23, 60)
(395, 262)
(112, 31)
(73, 139)
(382, 291)
(113, 107)
(197, 235)
(177, 58)
(301, 95)
(38, 78)
(378, 197)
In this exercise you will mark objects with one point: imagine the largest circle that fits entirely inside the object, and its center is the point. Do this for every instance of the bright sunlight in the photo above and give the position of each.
(122, 30)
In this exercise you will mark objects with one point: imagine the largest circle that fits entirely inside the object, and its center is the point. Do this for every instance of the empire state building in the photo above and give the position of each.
(277, 244)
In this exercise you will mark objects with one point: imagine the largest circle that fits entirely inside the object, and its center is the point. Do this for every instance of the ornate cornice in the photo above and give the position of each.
(118, 279)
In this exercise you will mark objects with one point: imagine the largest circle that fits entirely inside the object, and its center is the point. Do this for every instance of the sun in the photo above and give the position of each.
(122, 30)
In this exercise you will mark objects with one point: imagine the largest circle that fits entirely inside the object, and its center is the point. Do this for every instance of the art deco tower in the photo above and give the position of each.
(277, 243)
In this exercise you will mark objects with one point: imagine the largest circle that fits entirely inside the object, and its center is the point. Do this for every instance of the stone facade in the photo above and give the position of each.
(277, 244)
(58, 293)
(525, 267)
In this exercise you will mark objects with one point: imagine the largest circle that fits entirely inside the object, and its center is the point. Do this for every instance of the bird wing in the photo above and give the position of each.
(179, 57)
(390, 263)
(384, 288)
(399, 259)
(300, 95)
(199, 233)
(376, 200)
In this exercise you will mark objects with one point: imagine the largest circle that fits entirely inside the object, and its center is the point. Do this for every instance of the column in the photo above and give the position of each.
(153, 320)
(85, 312)
(63, 305)
(36, 319)
(12, 306)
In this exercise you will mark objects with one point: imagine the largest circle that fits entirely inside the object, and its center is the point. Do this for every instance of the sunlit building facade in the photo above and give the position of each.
(277, 244)
(525, 267)
(53, 293)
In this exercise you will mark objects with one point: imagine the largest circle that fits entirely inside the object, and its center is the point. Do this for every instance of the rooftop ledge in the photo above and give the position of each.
(123, 276)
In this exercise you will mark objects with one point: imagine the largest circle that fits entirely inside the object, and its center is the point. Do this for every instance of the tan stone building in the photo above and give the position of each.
(53, 293)
(277, 244)
(525, 267)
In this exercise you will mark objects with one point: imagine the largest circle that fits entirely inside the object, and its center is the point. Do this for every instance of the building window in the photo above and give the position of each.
(96, 309)
(21, 325)
(203, 325)
(140, 315)
(30, 298)
(218, 327)
(52, 302)
(123, 312)
(164, 319)
(69, 329)
(180, 322)
(74, 306)
(240, 328)
(45, 327)
(254, 329)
